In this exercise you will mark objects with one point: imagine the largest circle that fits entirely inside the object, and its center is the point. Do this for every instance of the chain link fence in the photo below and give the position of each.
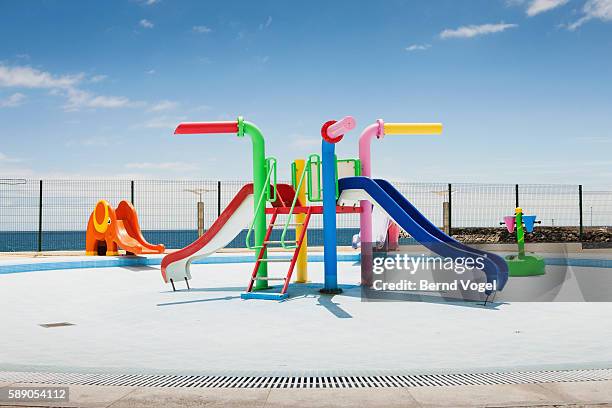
(51, 215)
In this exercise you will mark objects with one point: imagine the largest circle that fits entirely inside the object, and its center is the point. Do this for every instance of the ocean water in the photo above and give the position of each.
(16, 241)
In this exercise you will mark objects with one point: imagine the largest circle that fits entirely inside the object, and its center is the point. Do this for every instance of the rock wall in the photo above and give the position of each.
(540, 234)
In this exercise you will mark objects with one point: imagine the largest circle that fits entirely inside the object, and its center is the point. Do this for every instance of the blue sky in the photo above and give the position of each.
(95, 89)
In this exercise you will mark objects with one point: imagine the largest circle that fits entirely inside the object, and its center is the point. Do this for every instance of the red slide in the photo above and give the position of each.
(236, 217)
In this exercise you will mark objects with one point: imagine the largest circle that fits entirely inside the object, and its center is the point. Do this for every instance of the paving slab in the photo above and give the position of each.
(592, 392)
(193, 397)
(505, 395)
(86, 396)
(337, 398)
(568, 395)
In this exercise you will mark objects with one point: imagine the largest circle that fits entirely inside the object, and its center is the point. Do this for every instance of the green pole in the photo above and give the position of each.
(520, 234)
(259, 179)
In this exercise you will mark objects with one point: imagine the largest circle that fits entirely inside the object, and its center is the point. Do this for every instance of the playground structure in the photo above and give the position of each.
(364, 191)
(352, 191)
(109, 229)
(249, 208)
(522, 264)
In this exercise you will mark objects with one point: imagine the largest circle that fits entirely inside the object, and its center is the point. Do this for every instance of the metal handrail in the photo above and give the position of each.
(264, 193)
(295, 198)
(271, 166)
(314, 159)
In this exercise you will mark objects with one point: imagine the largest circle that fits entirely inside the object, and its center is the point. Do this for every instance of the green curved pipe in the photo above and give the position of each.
(259, 180)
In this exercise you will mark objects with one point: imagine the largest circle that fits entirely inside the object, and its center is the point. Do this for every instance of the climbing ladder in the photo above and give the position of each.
(296, 245)
(279, 195)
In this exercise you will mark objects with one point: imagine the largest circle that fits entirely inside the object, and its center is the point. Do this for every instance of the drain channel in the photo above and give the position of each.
(378, 381)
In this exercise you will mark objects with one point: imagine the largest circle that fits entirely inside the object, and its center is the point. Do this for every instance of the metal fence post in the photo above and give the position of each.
(516, 195)
(581, 232)
(40, 215)
(450, 208)
(132, 192)
(218, 198)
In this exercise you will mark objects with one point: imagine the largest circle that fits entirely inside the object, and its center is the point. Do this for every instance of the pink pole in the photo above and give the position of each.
(394, 232)
(376, 130)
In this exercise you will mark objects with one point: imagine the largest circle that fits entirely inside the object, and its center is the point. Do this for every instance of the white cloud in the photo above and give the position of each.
(302, 142)
(266, 24)
(12, 167)
(98, 78)
(102, 101)
(150, 2)
(150, 72)
(475, 30)
(146, 23)
(13, 101)
(163, 105)
(601, 9)
(90, 142)
(28, 77)
(79, 99)
(201, 29)
(593, 139)
(262, 59)
(418, 47)
(168, 166)
(65, 85)
(594, 9)
(7, 159)
(200, 108)
(162, 122)
(540, 6)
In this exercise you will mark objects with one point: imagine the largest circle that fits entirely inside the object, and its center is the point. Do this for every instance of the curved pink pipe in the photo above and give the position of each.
(376, 130)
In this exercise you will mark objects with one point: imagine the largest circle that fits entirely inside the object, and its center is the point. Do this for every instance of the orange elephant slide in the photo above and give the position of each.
(109, 229)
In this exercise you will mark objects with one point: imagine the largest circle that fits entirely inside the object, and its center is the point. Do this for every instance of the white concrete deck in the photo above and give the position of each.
(127, 320)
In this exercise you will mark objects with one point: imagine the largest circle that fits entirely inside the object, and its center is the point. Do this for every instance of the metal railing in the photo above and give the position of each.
(46, 215)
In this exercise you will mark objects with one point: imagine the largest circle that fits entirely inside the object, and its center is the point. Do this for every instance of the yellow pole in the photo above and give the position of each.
(302, 260)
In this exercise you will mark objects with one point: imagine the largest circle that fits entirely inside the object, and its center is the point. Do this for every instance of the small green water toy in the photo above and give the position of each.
(521, 264)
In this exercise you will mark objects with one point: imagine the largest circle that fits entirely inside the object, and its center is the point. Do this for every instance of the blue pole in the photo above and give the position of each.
(330, 255)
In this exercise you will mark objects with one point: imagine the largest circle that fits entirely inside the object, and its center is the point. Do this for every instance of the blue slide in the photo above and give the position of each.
(421, 229)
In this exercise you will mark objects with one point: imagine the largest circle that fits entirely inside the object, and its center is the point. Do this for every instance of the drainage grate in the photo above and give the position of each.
(377, 381)
(51, 325)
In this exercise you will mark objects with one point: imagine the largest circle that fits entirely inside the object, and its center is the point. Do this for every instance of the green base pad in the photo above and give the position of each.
(527, 265)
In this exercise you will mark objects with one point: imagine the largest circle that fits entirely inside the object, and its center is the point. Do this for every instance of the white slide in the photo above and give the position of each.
(380, 225)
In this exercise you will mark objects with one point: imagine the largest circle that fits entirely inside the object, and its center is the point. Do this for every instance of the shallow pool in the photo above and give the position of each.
(124, 319)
